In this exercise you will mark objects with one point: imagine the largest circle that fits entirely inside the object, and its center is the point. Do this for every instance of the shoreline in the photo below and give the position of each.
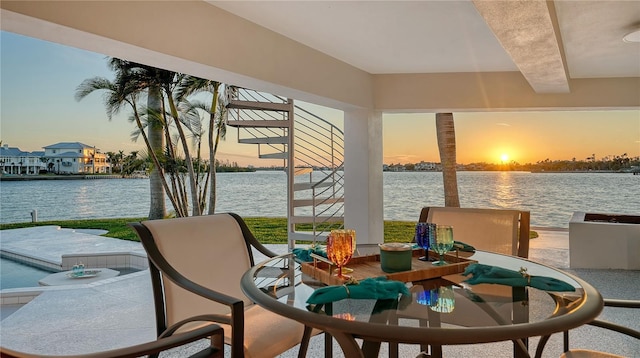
(16, 177)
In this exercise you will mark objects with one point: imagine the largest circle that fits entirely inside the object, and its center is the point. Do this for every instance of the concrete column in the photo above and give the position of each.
(363, 175)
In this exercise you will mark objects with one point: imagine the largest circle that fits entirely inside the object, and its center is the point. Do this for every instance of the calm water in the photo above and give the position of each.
(14, 275)
(551, 198)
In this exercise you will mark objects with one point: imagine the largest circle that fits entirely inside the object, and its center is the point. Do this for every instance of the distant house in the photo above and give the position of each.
(15, 161)
(75, 158)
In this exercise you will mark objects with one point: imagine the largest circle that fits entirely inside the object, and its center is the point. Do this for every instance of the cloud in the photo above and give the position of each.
(503, 124)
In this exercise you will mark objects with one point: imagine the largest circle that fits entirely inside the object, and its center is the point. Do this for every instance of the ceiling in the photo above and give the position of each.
(393, 56)
(392, 37)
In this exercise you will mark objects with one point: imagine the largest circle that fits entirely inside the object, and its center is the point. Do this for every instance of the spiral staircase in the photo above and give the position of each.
(312, 150)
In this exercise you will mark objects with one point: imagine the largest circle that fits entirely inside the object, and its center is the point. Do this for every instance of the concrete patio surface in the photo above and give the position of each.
(117, 312)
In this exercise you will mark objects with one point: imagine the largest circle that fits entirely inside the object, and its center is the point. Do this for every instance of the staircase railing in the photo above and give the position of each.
(315, 165)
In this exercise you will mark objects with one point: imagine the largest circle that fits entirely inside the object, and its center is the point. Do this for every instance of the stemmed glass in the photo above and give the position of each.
(424, 232)
(352, 233)
(340, 249)
(442, 242)
(445, 300)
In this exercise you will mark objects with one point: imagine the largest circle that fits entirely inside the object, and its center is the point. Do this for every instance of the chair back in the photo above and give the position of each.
(209, 250)
(495, 230)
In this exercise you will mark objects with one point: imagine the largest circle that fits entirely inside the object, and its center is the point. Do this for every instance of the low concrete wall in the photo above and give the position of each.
(603, 245)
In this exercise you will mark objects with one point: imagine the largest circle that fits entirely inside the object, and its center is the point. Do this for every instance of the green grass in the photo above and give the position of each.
(266, 230)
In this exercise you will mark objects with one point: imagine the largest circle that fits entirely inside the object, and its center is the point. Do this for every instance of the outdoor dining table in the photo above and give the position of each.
(473, 314)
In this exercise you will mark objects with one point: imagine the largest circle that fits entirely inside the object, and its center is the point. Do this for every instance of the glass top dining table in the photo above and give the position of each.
(439, 311)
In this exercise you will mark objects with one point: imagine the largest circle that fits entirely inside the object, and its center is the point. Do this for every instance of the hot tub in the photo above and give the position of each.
(604, 241)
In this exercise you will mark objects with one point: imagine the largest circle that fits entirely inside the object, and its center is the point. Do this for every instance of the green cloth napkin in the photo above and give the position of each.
(501, 276)
(305, 254)
(456, 245)
(463, 247)
(369, 288)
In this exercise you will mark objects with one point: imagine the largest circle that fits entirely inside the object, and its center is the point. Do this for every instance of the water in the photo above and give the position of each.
(551, 197)
(14, 274)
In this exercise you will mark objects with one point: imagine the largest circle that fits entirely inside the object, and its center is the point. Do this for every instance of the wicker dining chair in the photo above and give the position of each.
(196, 264)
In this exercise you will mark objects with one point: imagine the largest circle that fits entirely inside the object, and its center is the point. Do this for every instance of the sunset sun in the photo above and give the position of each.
(504, 157)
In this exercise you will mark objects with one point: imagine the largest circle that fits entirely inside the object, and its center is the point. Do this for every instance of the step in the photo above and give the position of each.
(273, 123)
(319, 201)
(265, 106)
(265, 140)
(319, 219)
(307, 236)
(302, 171)
(307, 186)
(282, 155)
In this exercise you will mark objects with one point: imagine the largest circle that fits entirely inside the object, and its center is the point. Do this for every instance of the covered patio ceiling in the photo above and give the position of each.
(385, 55)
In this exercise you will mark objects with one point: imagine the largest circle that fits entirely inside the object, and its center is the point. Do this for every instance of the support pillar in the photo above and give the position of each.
(363, 175)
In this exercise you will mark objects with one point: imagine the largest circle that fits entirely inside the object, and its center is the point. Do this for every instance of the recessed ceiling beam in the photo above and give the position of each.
(525, 30)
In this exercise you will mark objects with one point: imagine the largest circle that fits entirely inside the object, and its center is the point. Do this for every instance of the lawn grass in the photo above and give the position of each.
(266, 230)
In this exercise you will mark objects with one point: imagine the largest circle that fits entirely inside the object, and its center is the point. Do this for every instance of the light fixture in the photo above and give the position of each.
(633, 36)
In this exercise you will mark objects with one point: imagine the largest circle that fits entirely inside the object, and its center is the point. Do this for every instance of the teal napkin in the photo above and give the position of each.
(463, 247)
(370, 288)
(456, 245)
(305, 254)
(501, 276)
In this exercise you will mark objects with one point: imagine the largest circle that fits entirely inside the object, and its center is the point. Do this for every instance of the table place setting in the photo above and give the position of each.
(370, 288)
(481, 273)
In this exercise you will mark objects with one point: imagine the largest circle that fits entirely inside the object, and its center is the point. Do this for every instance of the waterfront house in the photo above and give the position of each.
(75, 158)
(14, 161)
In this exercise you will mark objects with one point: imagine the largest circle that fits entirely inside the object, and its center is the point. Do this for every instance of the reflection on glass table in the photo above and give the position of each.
(479, 313)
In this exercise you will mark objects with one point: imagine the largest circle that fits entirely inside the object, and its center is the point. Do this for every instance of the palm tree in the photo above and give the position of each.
(446, 135)
(165, 113)
(125, 90)
(137, 78)
(217, 122)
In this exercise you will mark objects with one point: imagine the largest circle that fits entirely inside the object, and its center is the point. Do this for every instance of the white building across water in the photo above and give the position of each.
(60, 158)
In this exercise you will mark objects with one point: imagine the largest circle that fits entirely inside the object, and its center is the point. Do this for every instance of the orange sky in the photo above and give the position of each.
(526, 137)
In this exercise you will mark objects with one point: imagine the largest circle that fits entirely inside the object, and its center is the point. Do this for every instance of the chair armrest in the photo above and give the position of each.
(252, 239)
(608, 302)
(616, 327)
(157, 346)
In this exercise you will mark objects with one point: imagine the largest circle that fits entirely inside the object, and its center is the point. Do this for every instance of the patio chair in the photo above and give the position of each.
(585, 353)
(165, 342)
(495, 230)
(196, 264)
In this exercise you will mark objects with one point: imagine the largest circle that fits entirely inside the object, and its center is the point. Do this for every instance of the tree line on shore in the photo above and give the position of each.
(611, 163)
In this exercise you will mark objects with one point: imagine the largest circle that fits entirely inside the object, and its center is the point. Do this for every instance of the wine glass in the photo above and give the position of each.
(339, 249)
(352, 233)
(424, 232)
(442, 242)
(445, 300)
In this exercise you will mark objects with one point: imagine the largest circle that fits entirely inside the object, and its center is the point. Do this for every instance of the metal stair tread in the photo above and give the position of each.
(265, 140)
(307, 219)
(282, 155)
(307, 186)
(254, 105)
(307, 236)
(319, 201)
(301, 171)
(274, 123)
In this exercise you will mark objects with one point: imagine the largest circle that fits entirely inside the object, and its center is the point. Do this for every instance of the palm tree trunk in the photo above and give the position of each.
(157, 208)
(213, 146)
(447, 146)
(196, 208)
